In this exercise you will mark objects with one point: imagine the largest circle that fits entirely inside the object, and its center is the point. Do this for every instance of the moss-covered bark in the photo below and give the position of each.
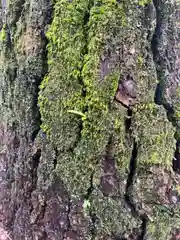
(76, 164)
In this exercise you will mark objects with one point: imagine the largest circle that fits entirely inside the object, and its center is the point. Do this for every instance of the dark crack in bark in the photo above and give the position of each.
(129, 189)
(34, 167)
(40, 218)
(33, 174)
(176, 158)
(35, 107)
(166, 64)
(91, 214)
(14, 18)
(128, 121)
(130, 180)
(55, 158)
(68, 228)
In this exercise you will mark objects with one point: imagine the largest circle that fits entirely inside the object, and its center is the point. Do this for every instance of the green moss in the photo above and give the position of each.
(8, 68)
(142, 3)
(162, 226)
(112, 216)
(74, 83)
(62, 89)
(66, 60)
(154, 134)
(176, 116)
(140, 61)
(3, 33)
(150, 126)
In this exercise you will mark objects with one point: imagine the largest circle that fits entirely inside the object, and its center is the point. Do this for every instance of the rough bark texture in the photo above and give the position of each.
(75, 163)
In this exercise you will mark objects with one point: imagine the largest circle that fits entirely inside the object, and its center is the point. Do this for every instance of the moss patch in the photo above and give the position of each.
(78, 37)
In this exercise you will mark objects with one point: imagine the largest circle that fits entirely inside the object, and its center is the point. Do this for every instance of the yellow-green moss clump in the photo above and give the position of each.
(78, 36)
(62, 88)
(155, 135)
(3, 34)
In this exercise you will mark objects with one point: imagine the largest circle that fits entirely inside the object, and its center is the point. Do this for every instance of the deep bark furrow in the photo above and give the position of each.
(130, 181)
(166, 64)
(91, 214)
(129, 189)
(68, 227)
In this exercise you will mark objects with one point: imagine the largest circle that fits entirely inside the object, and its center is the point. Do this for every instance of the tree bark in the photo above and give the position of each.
(89, 120)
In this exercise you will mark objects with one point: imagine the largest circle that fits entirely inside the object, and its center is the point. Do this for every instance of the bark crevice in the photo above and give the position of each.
(166, 65)
(91, 214)
(68, 228)
(129, 189)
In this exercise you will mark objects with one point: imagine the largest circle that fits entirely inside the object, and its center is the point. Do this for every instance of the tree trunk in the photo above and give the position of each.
(89, 120)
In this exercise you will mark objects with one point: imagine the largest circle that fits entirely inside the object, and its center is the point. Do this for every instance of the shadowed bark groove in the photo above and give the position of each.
(68, 227)
(91, 214)
(129, 189)
(166, 59)
(130, 180)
